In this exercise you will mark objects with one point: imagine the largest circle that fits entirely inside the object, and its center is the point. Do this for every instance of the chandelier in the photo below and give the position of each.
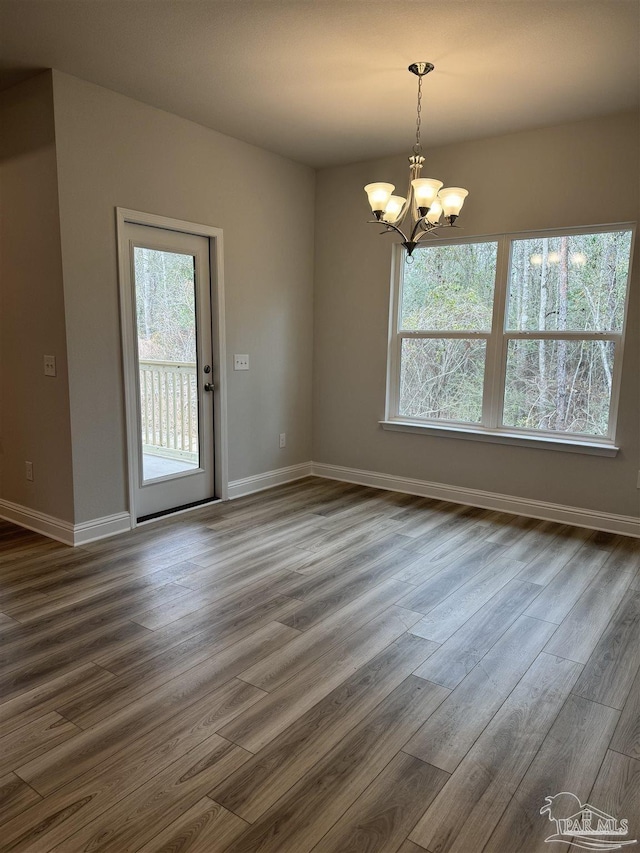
(426, 203)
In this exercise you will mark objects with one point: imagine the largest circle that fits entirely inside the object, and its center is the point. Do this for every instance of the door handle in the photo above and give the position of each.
(209, 386)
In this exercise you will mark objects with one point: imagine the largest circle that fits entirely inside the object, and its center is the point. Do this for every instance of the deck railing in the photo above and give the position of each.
(169, 408)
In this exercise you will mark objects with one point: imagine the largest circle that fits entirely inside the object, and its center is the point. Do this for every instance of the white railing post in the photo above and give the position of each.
(169, 408)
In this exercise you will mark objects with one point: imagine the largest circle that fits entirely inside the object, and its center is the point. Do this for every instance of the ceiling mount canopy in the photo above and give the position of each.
(426, 202)
(421, 68)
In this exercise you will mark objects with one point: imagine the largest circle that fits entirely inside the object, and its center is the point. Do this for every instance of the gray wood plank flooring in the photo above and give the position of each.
(321, 667)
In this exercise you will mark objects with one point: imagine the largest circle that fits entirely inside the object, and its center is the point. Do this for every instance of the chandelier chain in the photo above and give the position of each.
(417, 148)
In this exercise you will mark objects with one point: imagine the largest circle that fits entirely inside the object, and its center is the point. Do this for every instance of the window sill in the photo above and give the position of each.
(593, 448)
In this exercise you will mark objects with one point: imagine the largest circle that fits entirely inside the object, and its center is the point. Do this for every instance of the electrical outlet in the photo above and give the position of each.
(241, 362)
(28, 471)
(49, 365)
(283, 439)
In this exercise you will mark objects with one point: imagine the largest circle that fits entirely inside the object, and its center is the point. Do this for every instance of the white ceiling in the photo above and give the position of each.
(325, 81)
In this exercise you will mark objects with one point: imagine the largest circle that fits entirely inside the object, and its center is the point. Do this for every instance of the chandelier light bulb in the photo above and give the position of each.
(379, 194)
(452, 199)
(578, 258)
(536, 260)
(425, 191)
(393, 208)
(554, 257)
(435, 212)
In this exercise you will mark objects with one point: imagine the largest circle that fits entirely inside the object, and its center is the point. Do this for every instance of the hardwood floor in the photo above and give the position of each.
(322, 667)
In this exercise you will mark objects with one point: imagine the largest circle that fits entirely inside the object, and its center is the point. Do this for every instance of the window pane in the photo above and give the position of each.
(166, 321)
(559, 385)
(442, 378)
(449, 288)
(575, 283)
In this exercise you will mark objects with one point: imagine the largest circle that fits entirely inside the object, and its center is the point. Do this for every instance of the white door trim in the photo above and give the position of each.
(216, 261)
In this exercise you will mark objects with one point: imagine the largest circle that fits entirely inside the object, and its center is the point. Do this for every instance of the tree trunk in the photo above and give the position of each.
(542, 325)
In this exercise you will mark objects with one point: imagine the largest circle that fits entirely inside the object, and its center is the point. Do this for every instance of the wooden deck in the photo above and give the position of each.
(321, 667)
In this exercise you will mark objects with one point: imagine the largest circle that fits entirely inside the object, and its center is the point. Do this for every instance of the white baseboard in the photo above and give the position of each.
(259, 482)
(65, 531)
(623, 524)
(40, 522)
(100, 528)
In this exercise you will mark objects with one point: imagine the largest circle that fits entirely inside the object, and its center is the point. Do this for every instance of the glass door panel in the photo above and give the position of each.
(167, 359)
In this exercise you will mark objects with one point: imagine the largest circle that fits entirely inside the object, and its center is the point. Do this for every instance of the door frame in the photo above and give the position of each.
(125, 217)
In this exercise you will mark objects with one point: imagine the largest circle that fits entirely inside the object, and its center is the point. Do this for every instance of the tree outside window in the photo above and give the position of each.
(520, 333)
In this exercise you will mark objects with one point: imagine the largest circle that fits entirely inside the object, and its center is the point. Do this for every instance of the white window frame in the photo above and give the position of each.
(497, 339)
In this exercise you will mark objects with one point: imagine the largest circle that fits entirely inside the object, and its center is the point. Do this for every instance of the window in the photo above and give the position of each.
(518, 336)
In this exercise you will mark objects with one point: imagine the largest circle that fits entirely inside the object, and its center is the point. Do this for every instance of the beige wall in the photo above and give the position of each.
(114, 151)
(34, 409)
(575, 174)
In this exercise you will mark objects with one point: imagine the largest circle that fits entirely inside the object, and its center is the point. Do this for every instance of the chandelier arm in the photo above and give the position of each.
(408, 205)
(426, 228)
(389, 227)
(416, 161)
(430, 230)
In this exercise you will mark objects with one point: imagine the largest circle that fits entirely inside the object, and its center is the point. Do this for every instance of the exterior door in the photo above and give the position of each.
(170, 369)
